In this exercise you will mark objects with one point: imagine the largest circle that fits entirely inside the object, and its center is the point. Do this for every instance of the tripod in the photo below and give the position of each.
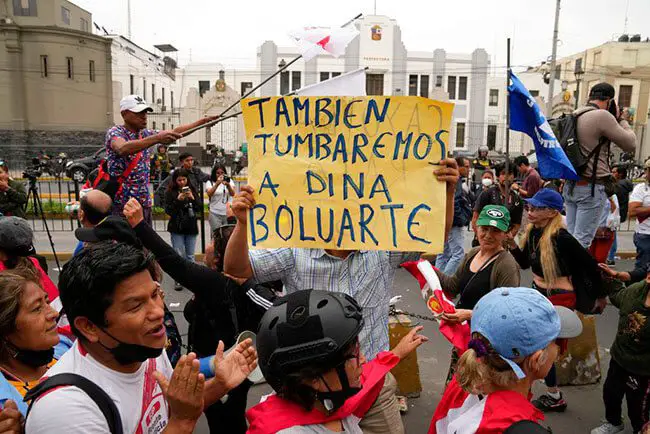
(38, 209)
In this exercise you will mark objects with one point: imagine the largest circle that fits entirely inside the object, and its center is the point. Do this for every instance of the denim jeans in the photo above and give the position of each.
(612, 251)
(450, 258)
(184, 245)
(642, 243)
(583, 211)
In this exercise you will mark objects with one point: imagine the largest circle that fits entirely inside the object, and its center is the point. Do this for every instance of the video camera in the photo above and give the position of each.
(34, 171)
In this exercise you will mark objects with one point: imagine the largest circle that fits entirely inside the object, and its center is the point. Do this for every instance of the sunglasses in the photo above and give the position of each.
(532, 208)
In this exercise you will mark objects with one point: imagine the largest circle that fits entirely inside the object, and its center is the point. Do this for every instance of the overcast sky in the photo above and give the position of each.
(230, 31)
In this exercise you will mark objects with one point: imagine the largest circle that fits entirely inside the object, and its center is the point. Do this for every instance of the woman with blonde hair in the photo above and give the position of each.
(516, 336)
(562, 269)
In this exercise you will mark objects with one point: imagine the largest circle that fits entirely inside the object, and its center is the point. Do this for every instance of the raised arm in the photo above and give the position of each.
(123, 147)
(236, 261)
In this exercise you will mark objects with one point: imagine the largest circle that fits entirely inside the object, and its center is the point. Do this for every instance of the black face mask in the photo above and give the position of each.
(31, 358)
(127, 354)
(333, 400)
(611, 107)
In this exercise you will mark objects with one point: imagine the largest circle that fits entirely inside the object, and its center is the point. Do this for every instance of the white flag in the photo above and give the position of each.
(349, 84)
(313, 41)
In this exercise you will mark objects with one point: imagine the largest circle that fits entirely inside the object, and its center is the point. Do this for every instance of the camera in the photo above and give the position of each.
(35, 171)
(226, 178)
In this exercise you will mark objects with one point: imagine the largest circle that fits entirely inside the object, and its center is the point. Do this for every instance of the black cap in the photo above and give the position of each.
(602, 91)
(111, 228)
(16, 236)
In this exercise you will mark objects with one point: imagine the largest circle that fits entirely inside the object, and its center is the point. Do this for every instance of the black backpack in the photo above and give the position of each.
(101, 398)
(565, 129)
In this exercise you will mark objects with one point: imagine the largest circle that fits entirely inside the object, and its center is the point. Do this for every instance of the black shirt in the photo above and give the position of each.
(494, 196)
(473, 286)
(623, 189)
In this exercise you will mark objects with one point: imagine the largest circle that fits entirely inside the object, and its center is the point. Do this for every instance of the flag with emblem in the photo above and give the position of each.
(438, 303)
(312, 41)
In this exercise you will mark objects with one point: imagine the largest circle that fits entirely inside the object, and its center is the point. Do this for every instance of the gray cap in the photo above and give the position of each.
(16, 237)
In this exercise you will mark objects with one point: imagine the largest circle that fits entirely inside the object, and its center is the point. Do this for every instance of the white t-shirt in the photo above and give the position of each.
(641, 193)
(350, 426)
(137, 396)
(220, 198)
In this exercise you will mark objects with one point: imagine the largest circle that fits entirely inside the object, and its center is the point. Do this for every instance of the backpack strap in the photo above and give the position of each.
(96, 393)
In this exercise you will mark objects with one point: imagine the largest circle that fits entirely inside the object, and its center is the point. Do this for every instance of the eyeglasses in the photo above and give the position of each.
(532, 208)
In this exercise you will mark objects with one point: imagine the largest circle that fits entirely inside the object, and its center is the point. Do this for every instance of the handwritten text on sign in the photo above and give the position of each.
(347, 172)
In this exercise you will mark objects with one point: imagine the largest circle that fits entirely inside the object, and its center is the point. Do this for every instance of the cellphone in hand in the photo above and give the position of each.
(185, 189)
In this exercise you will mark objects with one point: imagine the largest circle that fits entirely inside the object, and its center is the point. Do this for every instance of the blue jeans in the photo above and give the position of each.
(612, 251)
(184, 245)
(448, 261)
(642, 243)
(583, 211)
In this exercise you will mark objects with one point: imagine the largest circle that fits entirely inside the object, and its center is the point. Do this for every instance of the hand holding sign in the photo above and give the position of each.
(242, 203)
(448, 173)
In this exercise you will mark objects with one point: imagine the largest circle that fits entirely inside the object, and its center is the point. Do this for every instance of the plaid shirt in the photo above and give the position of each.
(366, 275)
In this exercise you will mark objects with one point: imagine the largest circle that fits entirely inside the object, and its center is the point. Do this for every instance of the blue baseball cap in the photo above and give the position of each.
(520, 321)
(547, 198)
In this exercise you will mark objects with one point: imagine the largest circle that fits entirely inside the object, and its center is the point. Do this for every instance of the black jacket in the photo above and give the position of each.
(182, 213)
(623, 189)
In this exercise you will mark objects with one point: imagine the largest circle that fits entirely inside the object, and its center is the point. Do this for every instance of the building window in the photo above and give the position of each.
(131, 84)
(413, 85)
(374, 84)
(597, 58)
(84, 26)
(245, 87)
(25, 8)
(460, 134)
(491, 137)
(624, 96)
(438, 80)
(153, 93)
(451, 86)
(70, 63)
(534, 93)
(335, 74)
(204, 86)
(462, 88)
(91, 70)
(164, 126)
(424, 86)
(153, 125)
(494, 97)
(144, 88)
(284, 82)
(171, 101)
(163, 96)
(43, 66)
(324, 76)
(578, 65)
(65, 15)
(558, 72)
(295, 80)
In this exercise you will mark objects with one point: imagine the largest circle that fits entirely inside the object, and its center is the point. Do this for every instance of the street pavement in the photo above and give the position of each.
(585, 403)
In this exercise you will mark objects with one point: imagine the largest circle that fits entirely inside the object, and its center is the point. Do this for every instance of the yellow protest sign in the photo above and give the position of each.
(350, 173)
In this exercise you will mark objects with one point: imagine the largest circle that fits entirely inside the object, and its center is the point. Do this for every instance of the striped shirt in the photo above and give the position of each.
(366, 275)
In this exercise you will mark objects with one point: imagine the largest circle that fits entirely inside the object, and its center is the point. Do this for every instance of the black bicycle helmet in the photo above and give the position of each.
(303, 328)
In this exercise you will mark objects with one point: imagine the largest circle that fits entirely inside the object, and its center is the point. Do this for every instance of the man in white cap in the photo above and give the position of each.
(128, 152)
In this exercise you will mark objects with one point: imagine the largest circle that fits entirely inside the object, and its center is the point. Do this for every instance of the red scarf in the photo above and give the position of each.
(276, 414)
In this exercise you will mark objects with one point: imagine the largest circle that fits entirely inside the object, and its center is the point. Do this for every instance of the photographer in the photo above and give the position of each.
(12, 194)
(182, 206)
(220, 193)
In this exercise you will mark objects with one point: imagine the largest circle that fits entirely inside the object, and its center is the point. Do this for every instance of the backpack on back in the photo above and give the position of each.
(565, 129)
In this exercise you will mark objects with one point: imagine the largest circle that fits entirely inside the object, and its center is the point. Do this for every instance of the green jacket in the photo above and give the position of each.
(631, 348)
(13, 201)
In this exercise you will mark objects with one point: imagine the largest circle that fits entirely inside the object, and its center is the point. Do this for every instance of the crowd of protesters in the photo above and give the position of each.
(100, 352)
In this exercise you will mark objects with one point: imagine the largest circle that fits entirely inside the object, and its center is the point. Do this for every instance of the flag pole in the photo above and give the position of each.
(250, 92)
(507, 118)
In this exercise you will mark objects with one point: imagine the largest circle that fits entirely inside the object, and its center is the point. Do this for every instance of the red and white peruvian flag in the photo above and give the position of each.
(438, 303)
(313, 41)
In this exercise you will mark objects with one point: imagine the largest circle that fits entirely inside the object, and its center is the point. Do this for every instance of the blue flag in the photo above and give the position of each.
(526, 116)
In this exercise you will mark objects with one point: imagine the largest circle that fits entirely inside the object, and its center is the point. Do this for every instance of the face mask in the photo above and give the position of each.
(487, 182)
(127, 354)
(333, 400)
(31, 358)
(611, 107)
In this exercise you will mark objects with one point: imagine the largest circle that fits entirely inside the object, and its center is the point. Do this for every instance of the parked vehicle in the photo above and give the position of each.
(79, 169)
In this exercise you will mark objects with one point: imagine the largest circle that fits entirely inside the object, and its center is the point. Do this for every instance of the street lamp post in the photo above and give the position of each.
(578, 74)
